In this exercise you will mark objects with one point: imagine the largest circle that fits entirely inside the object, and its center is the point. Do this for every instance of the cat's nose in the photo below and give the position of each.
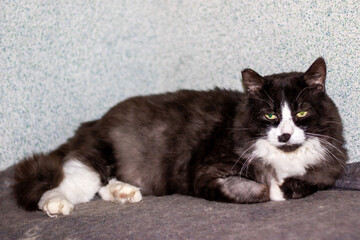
(287, 127)
(284, 137)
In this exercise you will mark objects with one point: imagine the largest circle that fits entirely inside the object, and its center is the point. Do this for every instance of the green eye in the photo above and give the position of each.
(301, 114)
(271, 116)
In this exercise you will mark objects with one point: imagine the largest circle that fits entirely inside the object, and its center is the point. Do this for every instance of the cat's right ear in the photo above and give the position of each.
(316, 74)
(252, 81)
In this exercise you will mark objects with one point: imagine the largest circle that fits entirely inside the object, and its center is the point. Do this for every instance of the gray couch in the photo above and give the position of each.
(330, 214)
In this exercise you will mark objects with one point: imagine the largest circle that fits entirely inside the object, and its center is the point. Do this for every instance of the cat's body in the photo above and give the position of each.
(280, 140)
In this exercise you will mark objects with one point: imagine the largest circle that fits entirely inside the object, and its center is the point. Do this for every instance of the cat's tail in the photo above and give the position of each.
(37, 174)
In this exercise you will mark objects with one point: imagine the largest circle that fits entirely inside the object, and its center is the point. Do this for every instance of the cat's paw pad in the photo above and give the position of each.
(57, 206)
(117, 191)
(126, 193)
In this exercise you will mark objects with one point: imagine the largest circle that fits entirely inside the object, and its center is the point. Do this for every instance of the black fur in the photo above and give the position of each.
(194, 142)
(36, 175)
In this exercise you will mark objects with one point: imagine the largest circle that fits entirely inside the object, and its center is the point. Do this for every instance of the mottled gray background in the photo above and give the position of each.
(64, 62)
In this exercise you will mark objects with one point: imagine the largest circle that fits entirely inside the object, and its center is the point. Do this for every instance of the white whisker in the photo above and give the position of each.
(272, 101)
(334, 122)
(331, 145)
(241, 157)
(247, 163)
(328, 152)
(324, 136)
(266, 101)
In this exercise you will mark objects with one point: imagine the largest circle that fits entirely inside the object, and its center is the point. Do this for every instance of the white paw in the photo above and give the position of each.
(54, 204)
(117, 191)
(275, 192)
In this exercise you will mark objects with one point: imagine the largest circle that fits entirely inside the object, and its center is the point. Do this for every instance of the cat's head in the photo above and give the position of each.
(286, 109)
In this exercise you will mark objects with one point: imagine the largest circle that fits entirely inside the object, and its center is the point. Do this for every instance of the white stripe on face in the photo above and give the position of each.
(286, 126)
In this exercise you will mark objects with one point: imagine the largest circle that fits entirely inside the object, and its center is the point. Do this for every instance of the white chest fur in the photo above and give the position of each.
(291, 163)
(288, 164)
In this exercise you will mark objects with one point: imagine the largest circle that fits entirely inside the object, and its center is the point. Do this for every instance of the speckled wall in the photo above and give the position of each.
(64, 62)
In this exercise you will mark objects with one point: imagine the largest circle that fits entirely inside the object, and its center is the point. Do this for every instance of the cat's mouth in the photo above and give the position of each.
(289, 147)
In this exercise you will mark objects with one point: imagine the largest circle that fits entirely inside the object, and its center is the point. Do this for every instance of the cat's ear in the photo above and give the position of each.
(252, 81)
(316, 74)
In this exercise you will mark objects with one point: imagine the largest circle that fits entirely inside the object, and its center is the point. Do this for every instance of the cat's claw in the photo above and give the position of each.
(121, 192)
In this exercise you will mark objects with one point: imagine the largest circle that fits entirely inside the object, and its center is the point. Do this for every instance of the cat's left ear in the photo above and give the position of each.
(252, 81)
(315, 76)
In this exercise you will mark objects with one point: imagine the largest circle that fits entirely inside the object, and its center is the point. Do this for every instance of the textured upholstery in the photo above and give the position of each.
(331, 214)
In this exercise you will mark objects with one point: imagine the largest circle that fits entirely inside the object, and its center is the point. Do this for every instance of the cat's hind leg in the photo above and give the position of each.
(80, 183)
(233, 189)
(242, 190)
(117, 191)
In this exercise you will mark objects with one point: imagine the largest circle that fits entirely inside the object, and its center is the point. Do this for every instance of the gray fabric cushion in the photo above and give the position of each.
(332, 214)
(351, 177)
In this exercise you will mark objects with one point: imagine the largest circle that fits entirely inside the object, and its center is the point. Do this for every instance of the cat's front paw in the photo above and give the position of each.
(117, 191)
(294, 188)
(275, 191)
(54, 204)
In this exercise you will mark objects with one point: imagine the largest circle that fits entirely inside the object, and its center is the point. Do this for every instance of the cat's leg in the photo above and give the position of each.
(276, 194)
(235, 189)
(80, 184)
(117, 191)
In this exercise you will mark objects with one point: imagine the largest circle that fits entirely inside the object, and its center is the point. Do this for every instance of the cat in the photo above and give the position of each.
(280, 139)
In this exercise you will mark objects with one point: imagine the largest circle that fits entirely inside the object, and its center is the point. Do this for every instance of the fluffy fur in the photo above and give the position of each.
(281, 139)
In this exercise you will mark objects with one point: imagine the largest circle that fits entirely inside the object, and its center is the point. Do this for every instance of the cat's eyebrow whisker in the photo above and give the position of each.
(271, 100)
(266, 101)
(301, 93)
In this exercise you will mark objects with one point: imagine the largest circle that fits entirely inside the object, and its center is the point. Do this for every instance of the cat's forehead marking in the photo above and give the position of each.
(285, 111)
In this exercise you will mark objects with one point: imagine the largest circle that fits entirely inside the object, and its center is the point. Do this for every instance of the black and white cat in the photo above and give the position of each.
(281, 139)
